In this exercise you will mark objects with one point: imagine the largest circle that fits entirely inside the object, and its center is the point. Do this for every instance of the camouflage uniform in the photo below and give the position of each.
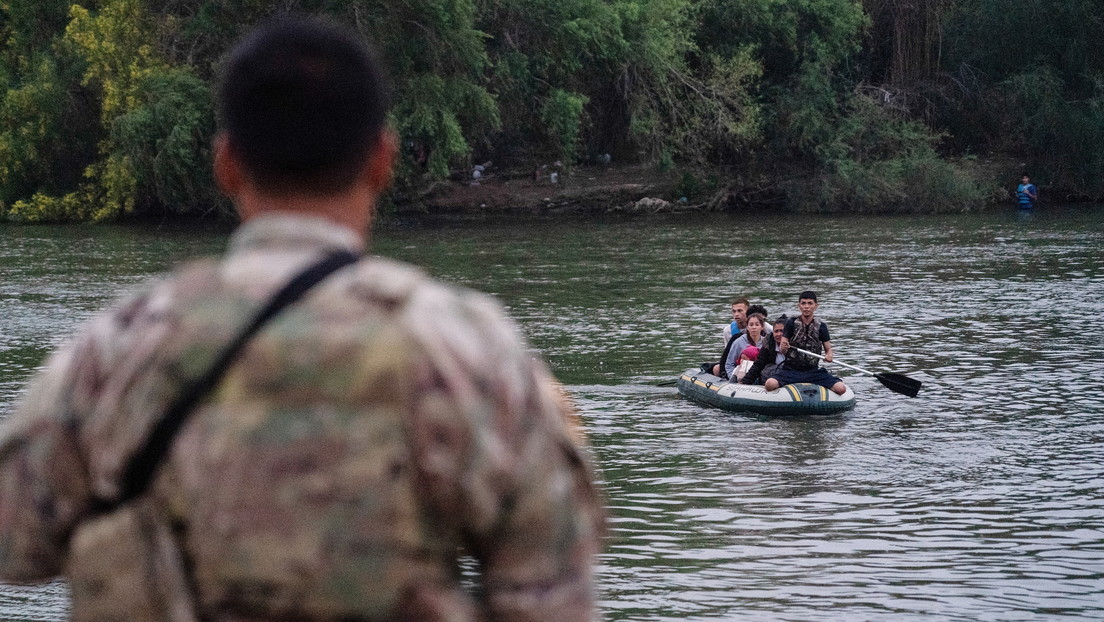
(366, 441)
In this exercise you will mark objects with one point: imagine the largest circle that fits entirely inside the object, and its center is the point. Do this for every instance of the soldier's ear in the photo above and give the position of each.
(381, 161)
(228, 172)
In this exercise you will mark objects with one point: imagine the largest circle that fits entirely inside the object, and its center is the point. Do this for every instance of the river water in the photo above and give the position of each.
(980, 499)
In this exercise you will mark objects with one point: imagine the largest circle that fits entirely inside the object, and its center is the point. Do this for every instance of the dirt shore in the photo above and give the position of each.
(581, 188)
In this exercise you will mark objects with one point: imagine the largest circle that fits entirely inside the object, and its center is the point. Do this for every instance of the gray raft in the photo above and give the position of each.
(792, 399)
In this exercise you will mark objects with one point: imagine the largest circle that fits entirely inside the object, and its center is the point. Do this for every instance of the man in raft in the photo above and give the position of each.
(739, 320)
(809, 333)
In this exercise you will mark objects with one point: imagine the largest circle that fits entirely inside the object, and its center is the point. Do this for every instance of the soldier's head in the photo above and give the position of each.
(302, 105)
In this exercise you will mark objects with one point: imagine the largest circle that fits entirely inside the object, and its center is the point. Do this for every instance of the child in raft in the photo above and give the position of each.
(745, 362)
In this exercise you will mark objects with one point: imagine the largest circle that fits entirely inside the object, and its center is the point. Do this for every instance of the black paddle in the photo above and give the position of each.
(894, 382)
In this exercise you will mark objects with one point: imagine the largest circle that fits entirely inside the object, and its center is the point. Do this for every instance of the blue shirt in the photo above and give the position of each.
(1025, 194)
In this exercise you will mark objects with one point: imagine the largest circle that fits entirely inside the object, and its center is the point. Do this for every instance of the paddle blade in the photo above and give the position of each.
(900, 384)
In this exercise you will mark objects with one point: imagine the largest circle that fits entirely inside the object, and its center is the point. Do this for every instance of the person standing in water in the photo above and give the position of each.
(1026, 193)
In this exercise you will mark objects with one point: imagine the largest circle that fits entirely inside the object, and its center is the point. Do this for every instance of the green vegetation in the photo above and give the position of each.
(823, 105)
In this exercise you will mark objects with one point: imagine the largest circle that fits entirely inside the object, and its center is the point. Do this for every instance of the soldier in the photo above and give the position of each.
(352, 453)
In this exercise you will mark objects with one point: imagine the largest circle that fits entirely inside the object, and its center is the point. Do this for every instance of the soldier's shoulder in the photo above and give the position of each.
(183, 275)
(161, 292)
(443, 315)
(411, 285)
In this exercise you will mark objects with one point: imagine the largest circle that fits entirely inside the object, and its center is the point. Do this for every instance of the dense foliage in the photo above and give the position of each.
(105, 106)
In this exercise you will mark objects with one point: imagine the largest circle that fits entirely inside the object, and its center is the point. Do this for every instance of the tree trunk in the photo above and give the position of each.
(908, 35)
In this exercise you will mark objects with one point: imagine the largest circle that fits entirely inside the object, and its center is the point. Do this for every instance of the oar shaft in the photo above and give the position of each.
(836, 362)
(894, 382)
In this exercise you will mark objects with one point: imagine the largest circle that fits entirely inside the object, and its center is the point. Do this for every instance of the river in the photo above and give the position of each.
(980, 499)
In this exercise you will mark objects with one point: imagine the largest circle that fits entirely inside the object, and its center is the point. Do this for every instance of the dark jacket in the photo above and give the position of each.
(724, 354)
(767, 355)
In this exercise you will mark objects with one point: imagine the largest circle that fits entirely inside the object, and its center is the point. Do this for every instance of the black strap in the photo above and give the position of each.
(724, 355)
(144, 463)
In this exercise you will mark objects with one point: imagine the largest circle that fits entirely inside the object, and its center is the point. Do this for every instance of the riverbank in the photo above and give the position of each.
(595, 188)
(644, 188)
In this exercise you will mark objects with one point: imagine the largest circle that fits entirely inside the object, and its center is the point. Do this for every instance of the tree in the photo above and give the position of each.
(154, 123)
(438, 60)
(906, 40)
(1038, 87)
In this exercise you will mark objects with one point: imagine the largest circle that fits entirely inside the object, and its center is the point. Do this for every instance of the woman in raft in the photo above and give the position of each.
(752, 336)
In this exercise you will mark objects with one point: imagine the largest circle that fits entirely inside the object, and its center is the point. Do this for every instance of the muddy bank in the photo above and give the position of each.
(595, 189)
(643, 188)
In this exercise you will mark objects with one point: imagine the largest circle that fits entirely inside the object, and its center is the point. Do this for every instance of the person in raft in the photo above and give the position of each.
(741, 310)
(752, 336)
(739, 320)
(768, 359)
(809, 333)
(1026, 193)
(749, 354)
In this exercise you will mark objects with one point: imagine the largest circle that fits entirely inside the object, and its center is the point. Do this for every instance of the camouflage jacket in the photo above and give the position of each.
(384, 449)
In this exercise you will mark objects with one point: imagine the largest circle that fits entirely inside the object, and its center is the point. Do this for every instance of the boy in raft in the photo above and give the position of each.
(808, 333)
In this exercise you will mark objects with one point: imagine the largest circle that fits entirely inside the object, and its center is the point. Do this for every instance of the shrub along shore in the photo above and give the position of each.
(646, 188)
(832, 105)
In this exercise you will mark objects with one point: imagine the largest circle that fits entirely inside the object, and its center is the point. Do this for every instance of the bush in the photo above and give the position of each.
(562, 116)
(166, 141)
(875, 161)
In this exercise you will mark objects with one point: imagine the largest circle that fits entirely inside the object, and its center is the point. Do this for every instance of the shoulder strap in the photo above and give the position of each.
(142, 466)
(728, 348)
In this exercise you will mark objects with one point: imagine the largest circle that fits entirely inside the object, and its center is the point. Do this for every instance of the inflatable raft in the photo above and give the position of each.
(792, 399)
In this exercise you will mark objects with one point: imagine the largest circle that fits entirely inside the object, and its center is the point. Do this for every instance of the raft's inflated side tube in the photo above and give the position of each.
(793, 399)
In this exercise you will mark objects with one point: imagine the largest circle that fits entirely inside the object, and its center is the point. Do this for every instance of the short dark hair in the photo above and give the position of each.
(740, 301)
(782, 319)
(760, 309)
(303, 101)
(807, 295)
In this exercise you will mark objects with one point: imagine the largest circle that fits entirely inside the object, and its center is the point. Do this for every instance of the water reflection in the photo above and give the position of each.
(980, 499)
